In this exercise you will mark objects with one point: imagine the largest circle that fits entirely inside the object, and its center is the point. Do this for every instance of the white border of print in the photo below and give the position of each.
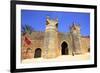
(20, 65)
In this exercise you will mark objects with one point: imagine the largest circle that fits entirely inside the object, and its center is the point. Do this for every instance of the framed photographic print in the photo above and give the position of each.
(52, 36)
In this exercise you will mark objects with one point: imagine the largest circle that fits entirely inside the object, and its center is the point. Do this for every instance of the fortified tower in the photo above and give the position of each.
(51, 39)
(76, 39)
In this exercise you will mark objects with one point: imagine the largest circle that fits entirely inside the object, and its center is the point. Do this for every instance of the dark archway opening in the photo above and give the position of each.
(64, 50)
(88, 49)
(37, 53)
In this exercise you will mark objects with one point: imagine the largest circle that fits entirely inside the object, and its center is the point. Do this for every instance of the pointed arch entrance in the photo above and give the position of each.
(64, 48)
(37, 53)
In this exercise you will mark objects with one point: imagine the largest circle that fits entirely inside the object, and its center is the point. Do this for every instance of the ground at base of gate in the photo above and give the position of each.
(85, 56)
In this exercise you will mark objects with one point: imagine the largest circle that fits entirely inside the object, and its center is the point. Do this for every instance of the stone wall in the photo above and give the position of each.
(85, 44)
(37, 39)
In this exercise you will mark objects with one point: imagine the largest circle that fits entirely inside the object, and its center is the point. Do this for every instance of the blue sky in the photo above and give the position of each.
(37, 20)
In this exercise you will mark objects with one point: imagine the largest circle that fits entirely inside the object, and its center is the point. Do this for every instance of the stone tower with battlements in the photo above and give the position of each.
(51, 39)
(76, 39)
